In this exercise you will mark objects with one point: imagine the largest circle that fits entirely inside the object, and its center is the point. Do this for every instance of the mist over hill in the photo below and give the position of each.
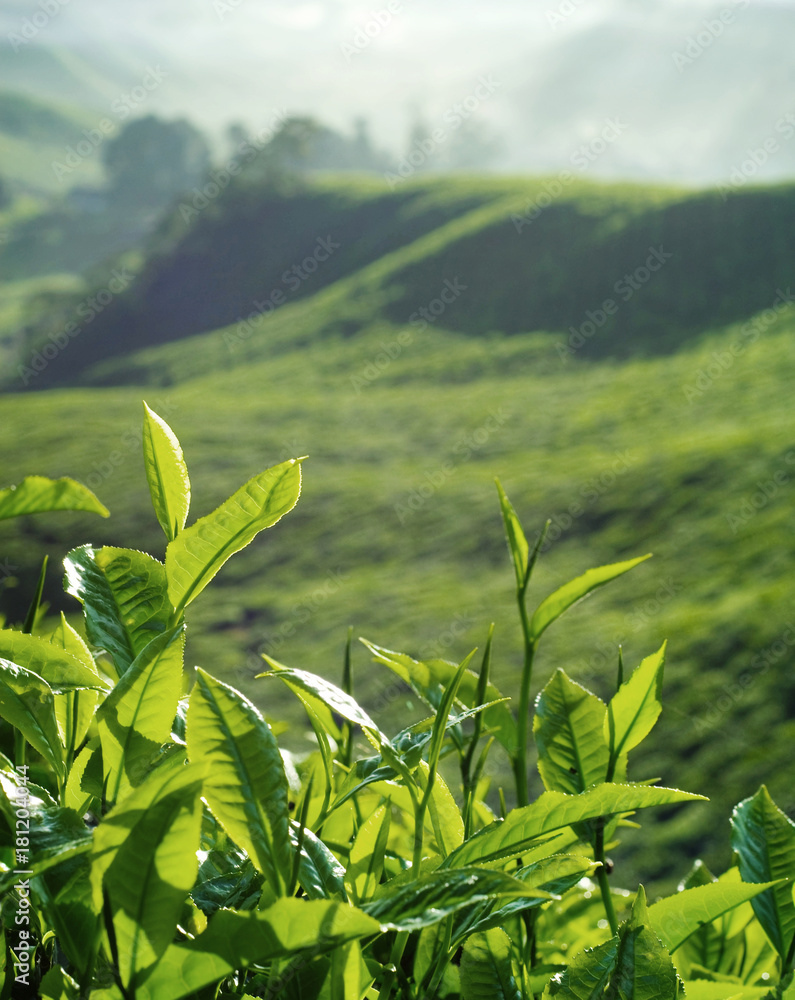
(696, 85)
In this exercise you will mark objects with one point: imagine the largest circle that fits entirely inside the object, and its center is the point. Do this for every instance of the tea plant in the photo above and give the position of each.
(156, 845)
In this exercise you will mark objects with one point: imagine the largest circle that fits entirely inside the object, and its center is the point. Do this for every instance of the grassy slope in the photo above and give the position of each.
(581, 258)
(720, 591)
(34, 134)
(211, 269)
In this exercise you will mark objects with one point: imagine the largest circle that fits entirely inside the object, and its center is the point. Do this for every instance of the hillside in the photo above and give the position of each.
(34, 134)
(623, 270)
(398, 531)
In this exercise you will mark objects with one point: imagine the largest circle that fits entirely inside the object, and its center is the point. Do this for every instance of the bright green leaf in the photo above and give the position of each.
(57, 985)
(367, 854)
(705, 989)
(567, 595)
(320, 874)
(38, 495)
(74, 710)
(588, 975)
(27, 703)
(62, 671)
(517, 542)
(323, 696)
(124, 596)
(166, 474)
(429, 679)
(567, 727)
(85, 778)
(198, 552)
(246, 786)
(764, 839)
(636, 706)
(634, 965)
(135, 719)
(554, 810)
(145, 859)
(676, 917)
(644, 970)
(555, 875)
(437, 894)
(486, 972)
(237, 940)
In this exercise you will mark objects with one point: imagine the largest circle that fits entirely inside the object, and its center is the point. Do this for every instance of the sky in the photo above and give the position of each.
(691, 86)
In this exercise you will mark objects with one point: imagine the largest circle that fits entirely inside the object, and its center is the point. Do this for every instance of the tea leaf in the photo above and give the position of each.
(166, 474)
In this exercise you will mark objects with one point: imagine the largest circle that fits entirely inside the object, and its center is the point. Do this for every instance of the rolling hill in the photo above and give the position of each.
(623, 270)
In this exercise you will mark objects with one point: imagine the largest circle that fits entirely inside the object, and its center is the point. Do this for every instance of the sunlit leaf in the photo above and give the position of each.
(676, 917)
(764, 839)
(38, 495)
(486, 972)
(246, 786)
(554, 810)
(572, 754)
(567, 595)
(124, 596)
(166, 474)
(135, 719)
(27, 703)
(62, 671)
(237, 940)
(144, 861)
(636, 706)
(197, 553)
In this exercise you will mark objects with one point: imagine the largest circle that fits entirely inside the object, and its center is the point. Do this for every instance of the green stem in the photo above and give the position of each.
(429, 989)
(419, 835)
(520, 759)
(20, 749)
(601, 874)
(395, 959)
(790, 956)
(346, 754)
(469, 778)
